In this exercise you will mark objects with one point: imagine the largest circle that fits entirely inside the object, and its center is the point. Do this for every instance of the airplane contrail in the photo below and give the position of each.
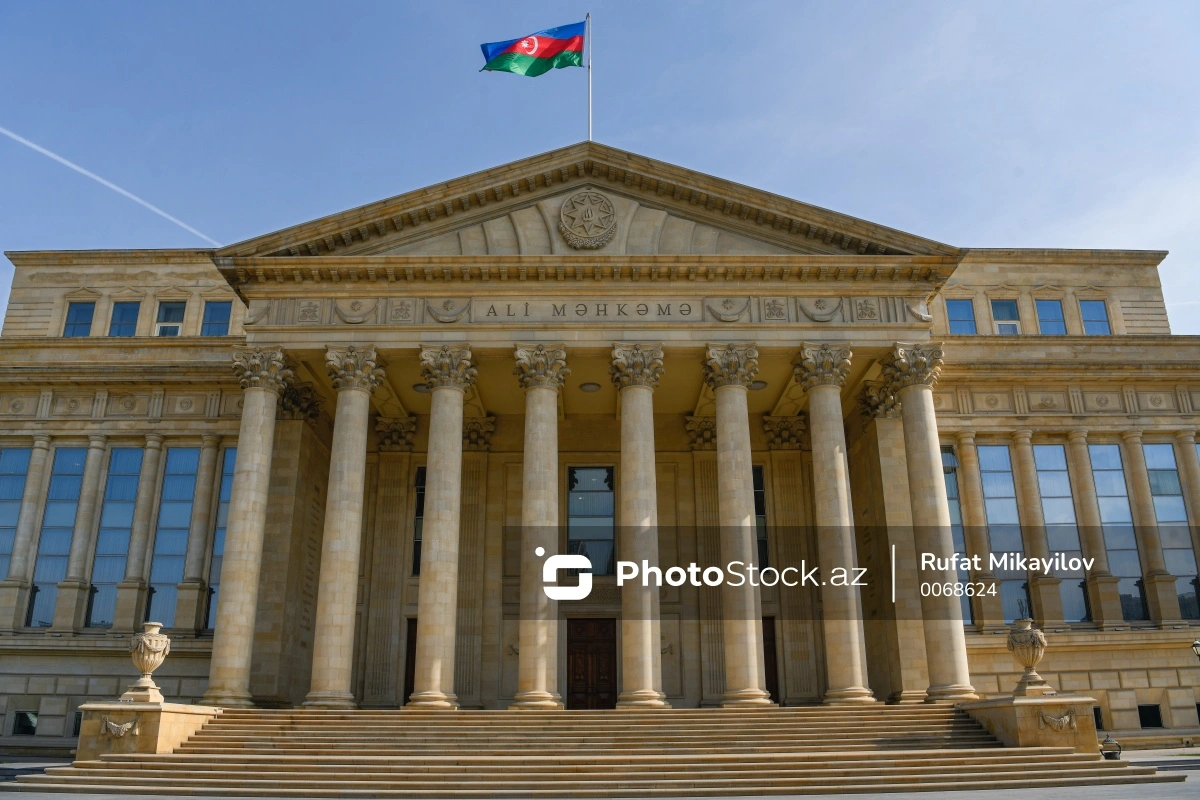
(109, 184)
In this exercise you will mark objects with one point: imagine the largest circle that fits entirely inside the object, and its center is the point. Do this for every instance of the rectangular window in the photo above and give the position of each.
(25, 723)
(216, 318)
(1007, 317)
(124, 319)
(418, 520)
(58, 526)
(79, 319)
(1062, 533)
(14, 464)
(961, 314)
(1095, 317)
(1108, 473)
(1050, 318)
(590, 517)
(1150, 716)
(170, 318)
(760, 517)
(112, 541)
(170, 539)
(218, 548)
(1171, 515)
(950, 471)
(1004, 527)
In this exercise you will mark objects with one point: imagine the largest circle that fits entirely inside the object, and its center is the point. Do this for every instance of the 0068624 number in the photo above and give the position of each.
(958, 589)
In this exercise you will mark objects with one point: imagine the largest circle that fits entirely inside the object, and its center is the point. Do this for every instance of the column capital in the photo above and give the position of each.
(821, 365)
(878, 401)
(636, 365)
(210, 440)
(354, 367)
(97, 441)
(477, 433)
(730, 364)
(1186, 436)
(912, 365)
(784, 433)
(154, 441)
(262, 368)
(1077, 435)
(541, 365)
(395, 435)
(447, 366)
(41, 441)
(702, 433)
(1021, 436)
(964, 438)
(299, 401)
(1131, 437)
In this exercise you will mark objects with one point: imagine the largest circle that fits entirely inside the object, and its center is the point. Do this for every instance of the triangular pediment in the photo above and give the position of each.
(655, 208)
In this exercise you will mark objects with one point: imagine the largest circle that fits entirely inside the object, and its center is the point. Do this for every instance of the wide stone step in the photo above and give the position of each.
(400, 727)
(750, 748)
(478, 737)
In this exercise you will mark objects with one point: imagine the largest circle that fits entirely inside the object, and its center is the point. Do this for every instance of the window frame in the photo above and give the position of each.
(997, 322)
(967, 302)
(597, 570)
(1084, 321)
(70, 326)
(161, 325)
(1041, 320)
(113, 323)
(208, 327)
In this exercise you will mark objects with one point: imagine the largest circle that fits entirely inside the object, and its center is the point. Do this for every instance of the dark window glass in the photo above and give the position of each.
(112, 540)
(1007, 317)
(14, 464)
(590, 517)
(1171, 515)
(54, 544)
(1050, 318)
(1062, 534)
(25, 723)
(216, 318)
(760, 517)
(218, 549)
(962, 316)
(1004, 527)
(1095, 317)
(950, 471)
(79, 319)
(1150, 716)
(124, 319)
(77, 724)
(1116, 519)
(418, 520)
(170, 539)
(1099, 717)
(170, 318)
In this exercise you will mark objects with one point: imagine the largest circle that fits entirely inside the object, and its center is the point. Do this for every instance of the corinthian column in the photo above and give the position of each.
(541, 370)
(355, 372)
(728, 370)
(821, 372)
(910, 372)
(448, 371)
(263, 373)
(636, 370)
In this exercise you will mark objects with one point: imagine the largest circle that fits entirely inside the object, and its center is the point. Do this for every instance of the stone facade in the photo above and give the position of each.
(411, 386)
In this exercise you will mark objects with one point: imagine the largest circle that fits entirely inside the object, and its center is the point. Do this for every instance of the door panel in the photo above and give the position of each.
(591, 663)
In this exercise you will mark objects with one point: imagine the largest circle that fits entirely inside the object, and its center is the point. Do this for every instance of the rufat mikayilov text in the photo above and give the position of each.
(1010, 562)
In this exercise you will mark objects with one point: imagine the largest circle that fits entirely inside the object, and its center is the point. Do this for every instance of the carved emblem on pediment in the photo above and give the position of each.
(355, 312)
(774, 309)
(866, 308)
(310, 311)
(402, 311)
(729, 309)
(587, 220)
(448, 310)
(822, 309)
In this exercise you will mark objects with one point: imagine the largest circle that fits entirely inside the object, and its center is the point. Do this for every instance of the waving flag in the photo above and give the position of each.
(537, 53)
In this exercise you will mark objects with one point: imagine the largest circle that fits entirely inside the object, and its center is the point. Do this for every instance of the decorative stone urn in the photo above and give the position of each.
(1028, 644)
(148, 650)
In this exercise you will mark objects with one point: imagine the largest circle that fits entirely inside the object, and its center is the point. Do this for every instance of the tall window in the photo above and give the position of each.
(79, 319)
(1004, 527)
(1050, 318)
(1062, 533)
(418, 520)
(170, 318)
(1095, 317)
(961, 314)
(14, 464)
(950, 471)
(1007, 317)
(1173, 531)
(216, 318)
(1117, 521)
(218, 549)
(124, 319)
(170, 540)
(590, 520)
(58, 524)
(760, 517)
(112, 542)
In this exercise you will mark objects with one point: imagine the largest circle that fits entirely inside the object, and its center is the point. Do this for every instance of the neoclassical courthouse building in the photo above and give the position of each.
(327, 458)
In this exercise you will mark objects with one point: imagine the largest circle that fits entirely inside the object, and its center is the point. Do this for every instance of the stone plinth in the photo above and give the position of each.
(1051, 720)
(124, 728)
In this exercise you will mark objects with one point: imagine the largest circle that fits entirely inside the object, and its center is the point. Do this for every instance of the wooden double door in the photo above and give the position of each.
(591, 663)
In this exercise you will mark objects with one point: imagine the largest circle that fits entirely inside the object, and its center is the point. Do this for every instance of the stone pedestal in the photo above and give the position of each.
(144, 728)
(1052, 720)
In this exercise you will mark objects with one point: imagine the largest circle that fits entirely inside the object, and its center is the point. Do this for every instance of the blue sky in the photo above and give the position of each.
(997, 124)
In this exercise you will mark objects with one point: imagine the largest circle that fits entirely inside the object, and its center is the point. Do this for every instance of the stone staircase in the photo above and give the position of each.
(678, 753)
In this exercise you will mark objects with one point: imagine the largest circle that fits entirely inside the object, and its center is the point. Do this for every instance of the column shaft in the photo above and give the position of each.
(1044, 589)
(14, 589)
(192, 589)
(131, 592)
(1103, 597)
(987, 608)
(1189, 462)
(1159, 584)
(72, 601)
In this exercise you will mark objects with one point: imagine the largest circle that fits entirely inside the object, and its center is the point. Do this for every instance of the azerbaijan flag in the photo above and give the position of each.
(538, 52)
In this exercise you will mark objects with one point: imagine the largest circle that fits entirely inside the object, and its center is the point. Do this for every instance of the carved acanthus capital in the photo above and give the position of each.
(353, 368)
(636, 365)
(784, 433)
(395, 435)
(912, 365)
(477, 433)
(541, 365)
(300, 401)
(878, 401)
(730, 364)
(702, 433)
(821, 365)
(448, 366)
(262, 368)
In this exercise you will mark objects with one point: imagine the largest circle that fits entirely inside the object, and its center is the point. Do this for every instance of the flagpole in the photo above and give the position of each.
(588, 25)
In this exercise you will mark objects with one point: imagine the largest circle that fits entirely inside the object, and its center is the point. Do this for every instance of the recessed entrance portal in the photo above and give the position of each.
(591, 663)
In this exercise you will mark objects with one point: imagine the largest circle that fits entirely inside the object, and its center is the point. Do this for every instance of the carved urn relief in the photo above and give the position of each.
(148, 650)
(1028, 645)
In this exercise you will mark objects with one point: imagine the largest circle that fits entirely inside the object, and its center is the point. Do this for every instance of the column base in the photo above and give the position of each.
(537, 701)
(435, 700)
(14, 598)
(746, 698)
(642, 698)
(330, 699)
(854, 695)
(951, 693)
(227, 698)
(906, 697)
